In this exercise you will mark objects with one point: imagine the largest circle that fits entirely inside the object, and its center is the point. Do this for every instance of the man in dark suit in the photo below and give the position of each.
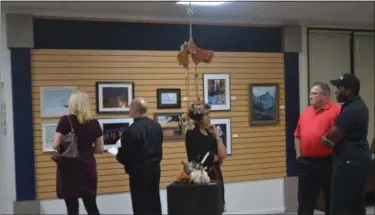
(141, 154)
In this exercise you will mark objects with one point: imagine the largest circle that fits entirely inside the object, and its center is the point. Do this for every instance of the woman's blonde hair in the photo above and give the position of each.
(79, 105)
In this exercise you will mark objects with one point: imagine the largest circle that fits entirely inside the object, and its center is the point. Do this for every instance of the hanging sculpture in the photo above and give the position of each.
(193, 172)
(190, 50)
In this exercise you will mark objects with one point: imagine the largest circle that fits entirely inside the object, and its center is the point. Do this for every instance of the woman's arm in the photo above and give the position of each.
(56, 141)
(99, 145)
(221, 149)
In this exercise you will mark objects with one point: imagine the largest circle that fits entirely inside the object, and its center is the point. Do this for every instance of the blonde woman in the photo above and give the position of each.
(78, 179)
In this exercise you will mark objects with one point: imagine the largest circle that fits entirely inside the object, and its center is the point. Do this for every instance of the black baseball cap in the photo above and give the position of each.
(348, 81)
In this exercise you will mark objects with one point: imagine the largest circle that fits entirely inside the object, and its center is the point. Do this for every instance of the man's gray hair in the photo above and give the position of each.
(324, 86)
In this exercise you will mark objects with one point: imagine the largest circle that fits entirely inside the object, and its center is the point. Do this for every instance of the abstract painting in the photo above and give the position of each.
(264, 103)
(54, 101)
(171, 124)
(48, 133)
(223, 126)
(114, 97)
(112, 131)
(216, 89)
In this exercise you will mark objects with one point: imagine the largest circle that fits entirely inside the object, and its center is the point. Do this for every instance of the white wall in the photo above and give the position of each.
(7, 171)
(256, 197)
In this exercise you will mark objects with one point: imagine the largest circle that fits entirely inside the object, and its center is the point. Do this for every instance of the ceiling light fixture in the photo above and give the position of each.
(202, 3)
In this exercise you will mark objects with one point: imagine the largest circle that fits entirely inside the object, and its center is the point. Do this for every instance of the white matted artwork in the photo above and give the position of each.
(54, 101)
(224, 128)
(216, 91)
(112, 131)
(48, 132)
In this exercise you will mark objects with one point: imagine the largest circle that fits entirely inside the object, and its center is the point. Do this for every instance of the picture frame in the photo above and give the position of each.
(54, 101)
(113, 129)
(114, 97)
(216, 91)
(172, 125)
(264, 103)
(168, 98)
(224, 127)
(48, 133)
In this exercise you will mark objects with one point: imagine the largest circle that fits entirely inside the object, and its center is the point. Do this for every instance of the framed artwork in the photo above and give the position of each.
(216, 91)
(112, 131)
(171, 124)
(168, 98)
(224, 128)
(114, 97)
(48, 132)
(54, 101)
(264, 103)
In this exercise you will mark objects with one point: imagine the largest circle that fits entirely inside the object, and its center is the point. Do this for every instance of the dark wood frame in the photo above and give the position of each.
(229, 96)
(159, 92)
(277, 94)
(109, 83)
(182, 136)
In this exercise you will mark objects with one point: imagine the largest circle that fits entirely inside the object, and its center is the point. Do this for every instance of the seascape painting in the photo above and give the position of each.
(264, 103)
(54, 101)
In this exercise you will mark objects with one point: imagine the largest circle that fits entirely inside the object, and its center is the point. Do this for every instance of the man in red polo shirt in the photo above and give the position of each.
(313, 158)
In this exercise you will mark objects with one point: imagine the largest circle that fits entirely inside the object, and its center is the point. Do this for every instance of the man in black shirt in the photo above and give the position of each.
(141, 154)
(351, 151)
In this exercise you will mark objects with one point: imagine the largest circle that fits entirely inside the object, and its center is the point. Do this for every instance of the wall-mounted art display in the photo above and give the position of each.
(171, 124)
(113, 129)
(48, 133)
(264, 103)
(168, 98)
(54, 101)
(114, 97)
(223, 126)
(216, 91)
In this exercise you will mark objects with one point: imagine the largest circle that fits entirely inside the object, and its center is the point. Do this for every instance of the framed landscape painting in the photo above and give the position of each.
(171, 124)
(54, 101)
(224, 128)
(168, 98)
(264, 103)
(114, 97)
(112, 131)
(216, 91)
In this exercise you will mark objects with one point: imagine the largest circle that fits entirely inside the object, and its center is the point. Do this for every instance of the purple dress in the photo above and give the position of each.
(79, 179)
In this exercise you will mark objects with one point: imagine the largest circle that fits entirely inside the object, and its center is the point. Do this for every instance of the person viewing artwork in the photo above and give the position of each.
(202, 138)
(78, 178)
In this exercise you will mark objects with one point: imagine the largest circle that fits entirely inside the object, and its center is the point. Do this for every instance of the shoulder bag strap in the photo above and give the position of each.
(70, 123)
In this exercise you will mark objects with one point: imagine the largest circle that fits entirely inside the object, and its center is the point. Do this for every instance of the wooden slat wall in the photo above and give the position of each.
(258, 152)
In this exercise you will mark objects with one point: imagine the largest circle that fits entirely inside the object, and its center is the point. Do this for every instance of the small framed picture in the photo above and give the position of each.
(168, 98)
(114, 97)
(224, 128)
(264, 103)
(112, 131)
(216, 91)
(171, 124)
(54, 101)
(48, 133)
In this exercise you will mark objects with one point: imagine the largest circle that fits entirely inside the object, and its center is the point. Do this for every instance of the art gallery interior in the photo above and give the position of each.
(264, 61)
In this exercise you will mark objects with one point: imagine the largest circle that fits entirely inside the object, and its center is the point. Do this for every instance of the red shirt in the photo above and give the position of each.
(312, 126)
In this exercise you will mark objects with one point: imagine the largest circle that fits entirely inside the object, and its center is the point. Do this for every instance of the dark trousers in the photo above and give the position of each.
(72, 206)
(314, 175)
(144, 190)
(348, 190)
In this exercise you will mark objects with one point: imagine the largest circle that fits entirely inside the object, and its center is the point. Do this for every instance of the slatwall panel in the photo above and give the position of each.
(258, 152)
